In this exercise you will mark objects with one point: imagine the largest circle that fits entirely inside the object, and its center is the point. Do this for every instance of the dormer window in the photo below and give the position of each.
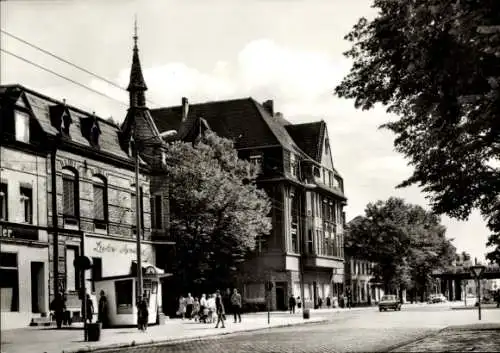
(65, 122)
(293, 165)
(94, 134)
(256, 160)
(22, 127)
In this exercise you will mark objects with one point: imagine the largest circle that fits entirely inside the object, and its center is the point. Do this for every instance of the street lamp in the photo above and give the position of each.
(138, 196)
(477, 271)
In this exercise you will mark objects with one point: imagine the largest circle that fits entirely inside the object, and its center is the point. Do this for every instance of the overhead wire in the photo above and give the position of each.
(69, 63)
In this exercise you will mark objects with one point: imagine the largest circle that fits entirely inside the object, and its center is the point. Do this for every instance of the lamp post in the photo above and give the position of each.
(477, 271)
(138, 197)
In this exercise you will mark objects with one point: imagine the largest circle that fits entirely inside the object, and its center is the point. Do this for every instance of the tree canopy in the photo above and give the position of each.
(216, 210)
(431, 64)
(405, 242)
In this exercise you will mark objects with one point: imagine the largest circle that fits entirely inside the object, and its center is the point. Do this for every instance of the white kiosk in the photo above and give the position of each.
(121, 293)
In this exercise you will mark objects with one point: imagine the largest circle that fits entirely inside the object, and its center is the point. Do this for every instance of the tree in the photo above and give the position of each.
(216, 211)
(426, 61)
(406, 242)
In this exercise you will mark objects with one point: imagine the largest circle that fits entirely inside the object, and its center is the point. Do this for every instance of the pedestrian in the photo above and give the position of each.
(203, 308)
(102, 311)
(182, 307)
(299, 302)
(58, 305)
(189, 306)
(291, 303)
(328, 302)
(219, 308)
(142, 315)
(196, 309)
(236, 304)
(88, 311)
(320, 303)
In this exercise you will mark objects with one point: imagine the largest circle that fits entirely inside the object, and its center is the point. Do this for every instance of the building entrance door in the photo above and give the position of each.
(37, 286)
(280, 296)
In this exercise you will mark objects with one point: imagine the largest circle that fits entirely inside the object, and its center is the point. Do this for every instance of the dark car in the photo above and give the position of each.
(389, 302)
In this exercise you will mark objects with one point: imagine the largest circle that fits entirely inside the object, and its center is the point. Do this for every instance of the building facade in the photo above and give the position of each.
(24, 263)
(68, 189)
(360, 280)
(307, 193)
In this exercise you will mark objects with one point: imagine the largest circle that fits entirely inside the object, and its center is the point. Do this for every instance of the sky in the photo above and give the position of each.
(286, 50)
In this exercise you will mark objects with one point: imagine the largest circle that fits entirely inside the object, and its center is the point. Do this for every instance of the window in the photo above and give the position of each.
(331, 179)
(22, 127)
(293, 165)
(316, 172)
(70, 194)
(254, 291)
(133, 207)
(310, 242)
(3, 202)
(158, 212)
(96, 271)
(123, 295)
(72, 282)
(9, 285)
(294, 246)
(100, 203)
(256, 160)
(26, 204)
(94, 135)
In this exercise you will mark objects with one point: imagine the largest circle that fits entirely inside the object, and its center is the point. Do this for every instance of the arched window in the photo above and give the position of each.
(99, 186)
(71, 207)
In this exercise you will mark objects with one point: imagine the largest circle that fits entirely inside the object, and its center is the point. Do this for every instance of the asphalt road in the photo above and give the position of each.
(354, 331)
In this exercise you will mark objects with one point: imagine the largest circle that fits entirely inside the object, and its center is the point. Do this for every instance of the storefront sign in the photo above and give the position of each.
(125, 249)
(18, 232)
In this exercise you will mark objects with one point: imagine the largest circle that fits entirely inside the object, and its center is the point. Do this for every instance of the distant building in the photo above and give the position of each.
(306, 190)
(361, 281)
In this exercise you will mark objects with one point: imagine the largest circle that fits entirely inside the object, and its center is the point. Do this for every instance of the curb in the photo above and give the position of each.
(396, 347)
(168, 342)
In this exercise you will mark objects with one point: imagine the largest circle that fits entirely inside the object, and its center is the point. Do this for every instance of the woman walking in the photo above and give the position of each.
(219, 307)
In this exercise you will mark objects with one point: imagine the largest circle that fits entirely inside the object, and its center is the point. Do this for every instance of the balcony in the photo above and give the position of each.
(162, 236)
(314, 261)
(18, 232)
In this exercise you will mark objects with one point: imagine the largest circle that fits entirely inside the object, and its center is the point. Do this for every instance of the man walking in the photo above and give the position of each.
(219, 307)
(291, 304)
(236, 303)
(189, 306)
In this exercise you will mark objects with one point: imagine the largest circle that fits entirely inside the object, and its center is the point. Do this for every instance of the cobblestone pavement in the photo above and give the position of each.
(457, 340)
(361, 331)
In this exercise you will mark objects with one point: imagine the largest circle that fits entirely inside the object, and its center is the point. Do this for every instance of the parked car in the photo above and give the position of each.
(389, 301)
(436, 298)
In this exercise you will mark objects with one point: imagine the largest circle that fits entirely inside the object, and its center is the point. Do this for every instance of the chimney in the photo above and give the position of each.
(185, 108)
(269, 106)
(279, 115)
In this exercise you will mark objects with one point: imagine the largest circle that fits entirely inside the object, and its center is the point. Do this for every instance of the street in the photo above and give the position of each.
(350, 331)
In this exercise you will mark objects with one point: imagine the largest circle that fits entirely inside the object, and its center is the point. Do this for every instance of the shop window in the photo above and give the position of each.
(254, 291)
(100, 203)
(3, 202)
(124, 294)
(70, 197)
(96, 271)
(26, 204)
(22, 127)
(9, 285)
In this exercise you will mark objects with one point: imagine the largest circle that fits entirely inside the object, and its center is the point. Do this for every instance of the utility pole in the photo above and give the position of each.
(138, 224)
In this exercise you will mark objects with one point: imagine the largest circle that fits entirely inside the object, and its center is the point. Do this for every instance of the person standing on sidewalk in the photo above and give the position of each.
(102, 313)
(189, 306)
(291, 304)
(219, 308)
(236, 304)
(143, 315)
(58, 305)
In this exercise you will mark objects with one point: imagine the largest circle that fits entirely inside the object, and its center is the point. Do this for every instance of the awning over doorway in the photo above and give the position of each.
(150, 270)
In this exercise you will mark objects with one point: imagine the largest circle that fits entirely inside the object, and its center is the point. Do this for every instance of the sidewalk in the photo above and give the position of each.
(50, 340)
(484, 337)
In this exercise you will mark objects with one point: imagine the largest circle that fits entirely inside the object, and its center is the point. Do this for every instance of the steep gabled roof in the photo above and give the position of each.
(40, 107)
(243, 120)
(309, 137)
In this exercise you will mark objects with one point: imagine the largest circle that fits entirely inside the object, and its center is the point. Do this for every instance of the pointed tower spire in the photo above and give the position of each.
(137, 85)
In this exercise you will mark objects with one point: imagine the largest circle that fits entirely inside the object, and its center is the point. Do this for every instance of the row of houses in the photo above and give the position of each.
(68, 175)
